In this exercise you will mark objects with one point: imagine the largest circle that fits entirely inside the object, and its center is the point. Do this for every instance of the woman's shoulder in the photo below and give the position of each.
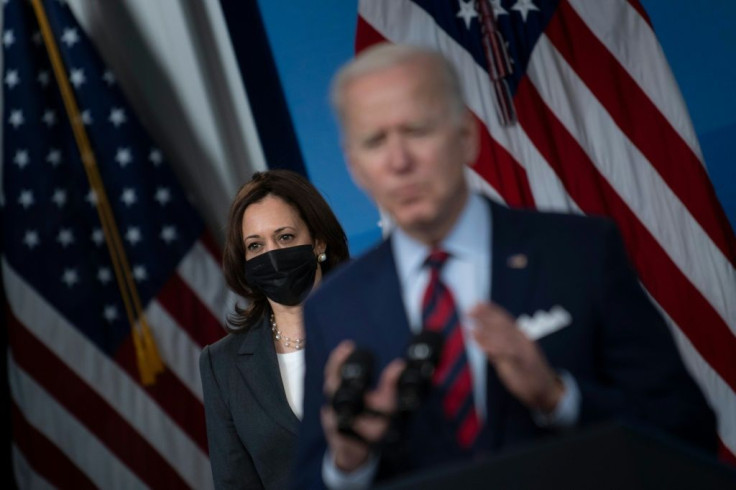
(233, 342)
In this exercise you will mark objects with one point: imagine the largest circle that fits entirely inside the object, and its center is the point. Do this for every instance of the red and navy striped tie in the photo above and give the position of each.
(452, 376)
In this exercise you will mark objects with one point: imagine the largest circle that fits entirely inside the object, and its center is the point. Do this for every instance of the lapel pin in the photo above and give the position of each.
(518, 261)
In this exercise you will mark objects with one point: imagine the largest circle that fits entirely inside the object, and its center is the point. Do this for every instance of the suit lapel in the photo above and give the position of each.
(513, 262)
(390, 305)
(259, 367)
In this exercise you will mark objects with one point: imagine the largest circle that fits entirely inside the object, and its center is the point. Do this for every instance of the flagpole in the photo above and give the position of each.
(147, 356)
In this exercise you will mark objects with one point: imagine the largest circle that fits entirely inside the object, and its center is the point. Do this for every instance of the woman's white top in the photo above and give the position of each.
(291, 365)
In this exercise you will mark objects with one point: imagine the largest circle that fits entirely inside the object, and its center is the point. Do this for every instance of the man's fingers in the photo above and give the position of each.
(348, 452)
(480, 310)
(329, 422)
(380, 404)
(494, 328)
(498, 335)
(383, 398)
(489, 314)
(332, 367)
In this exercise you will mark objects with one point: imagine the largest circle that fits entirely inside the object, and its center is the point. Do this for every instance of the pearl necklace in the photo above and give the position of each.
(296, 344)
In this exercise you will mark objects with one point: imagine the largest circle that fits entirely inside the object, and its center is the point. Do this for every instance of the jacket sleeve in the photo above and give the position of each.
(232, 465)
(642, 378)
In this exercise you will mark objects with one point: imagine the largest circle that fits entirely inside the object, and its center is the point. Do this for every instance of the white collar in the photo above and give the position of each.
(468, 239)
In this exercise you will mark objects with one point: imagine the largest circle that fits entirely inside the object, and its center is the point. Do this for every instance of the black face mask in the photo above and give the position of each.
(285, 275)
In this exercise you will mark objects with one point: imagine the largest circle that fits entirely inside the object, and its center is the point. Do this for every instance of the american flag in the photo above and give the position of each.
(600, 128)
(81, 416)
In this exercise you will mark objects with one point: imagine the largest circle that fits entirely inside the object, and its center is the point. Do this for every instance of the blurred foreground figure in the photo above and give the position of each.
(544, 322)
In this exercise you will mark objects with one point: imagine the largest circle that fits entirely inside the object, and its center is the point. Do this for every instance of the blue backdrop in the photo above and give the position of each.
(310, 40)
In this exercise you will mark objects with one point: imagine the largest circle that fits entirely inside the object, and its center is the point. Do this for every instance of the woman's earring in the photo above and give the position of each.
(322, 257)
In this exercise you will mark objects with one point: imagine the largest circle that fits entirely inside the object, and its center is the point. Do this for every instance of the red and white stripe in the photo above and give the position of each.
(603, 129)
(83, 417)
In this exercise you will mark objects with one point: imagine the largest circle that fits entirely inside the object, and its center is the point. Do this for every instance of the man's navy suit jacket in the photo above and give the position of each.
(617, 347)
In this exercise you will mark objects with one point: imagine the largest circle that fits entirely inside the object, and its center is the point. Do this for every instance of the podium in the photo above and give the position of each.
(612, 456)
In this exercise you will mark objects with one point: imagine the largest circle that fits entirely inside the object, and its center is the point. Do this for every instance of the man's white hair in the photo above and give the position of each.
(383, 56)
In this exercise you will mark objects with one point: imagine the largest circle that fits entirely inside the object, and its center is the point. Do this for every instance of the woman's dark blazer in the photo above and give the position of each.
(251, 428)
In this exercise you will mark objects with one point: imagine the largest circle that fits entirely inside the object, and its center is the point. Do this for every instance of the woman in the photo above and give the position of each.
(281, 238)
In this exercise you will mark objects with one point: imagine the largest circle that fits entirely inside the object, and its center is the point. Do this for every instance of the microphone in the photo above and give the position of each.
(356, 374)
(415, 381)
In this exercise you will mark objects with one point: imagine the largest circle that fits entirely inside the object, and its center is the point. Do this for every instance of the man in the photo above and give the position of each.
(545, 324)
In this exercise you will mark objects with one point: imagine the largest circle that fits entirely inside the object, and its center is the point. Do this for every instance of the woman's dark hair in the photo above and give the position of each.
(299, 193)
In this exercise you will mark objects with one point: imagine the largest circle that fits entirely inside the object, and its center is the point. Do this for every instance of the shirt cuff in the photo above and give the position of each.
(361, 478)
(567, 411)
